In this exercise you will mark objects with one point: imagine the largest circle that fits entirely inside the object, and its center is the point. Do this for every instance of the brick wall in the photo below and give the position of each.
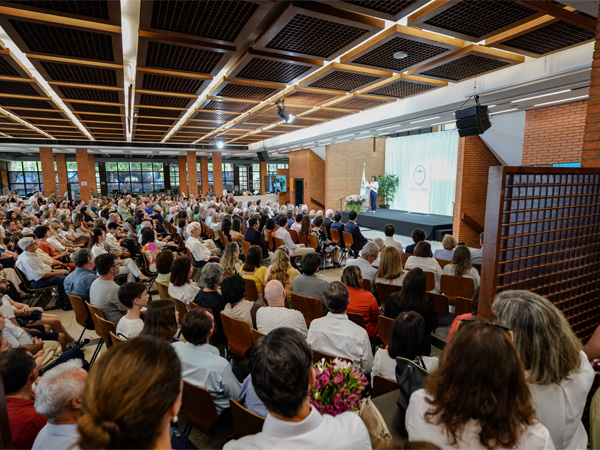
(92, 172)
(554, 134)
(590, 155)
(344, 167)
(192, 169)
(307, 165)
(474, 161)
(48, 175)
(204, 174)
(217, 161)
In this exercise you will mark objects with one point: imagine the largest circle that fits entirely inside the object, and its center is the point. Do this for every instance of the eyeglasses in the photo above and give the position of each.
(489, 324)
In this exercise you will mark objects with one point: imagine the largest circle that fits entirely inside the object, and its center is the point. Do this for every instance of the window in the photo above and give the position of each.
(174, 175)
(25, 177)
(243, 177)
(256, 177)
(137, 177)
(228, 177)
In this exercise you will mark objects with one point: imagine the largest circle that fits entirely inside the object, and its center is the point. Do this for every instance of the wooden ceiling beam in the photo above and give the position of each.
(59, 20)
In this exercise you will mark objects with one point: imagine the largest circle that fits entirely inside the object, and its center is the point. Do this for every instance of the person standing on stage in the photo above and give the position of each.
(373, 188)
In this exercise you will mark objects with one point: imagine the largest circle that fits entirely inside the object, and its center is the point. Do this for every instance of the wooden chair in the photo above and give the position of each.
(358, 319)
(271, 243)
(245, 422)
(239, 336)
(313, 242)
(443, 262)
(223, 239)
(25, 286)
(463, 306)
(302, 238)
(243, 229)
(335, 236)
(278, 242)
(104, 328)
(318, 356)
(256, 335)
(116, 340)
(246, 246)
(405, 256)
(384, 290)
(163, 291)
(440, 306)
(453, 287)
(477, 268)
(366, 285)
(200, 411)
(181, 309)
(82, 313)
(96, 312)
(311, 308)
(384, 329)
(251, 293)
(429, 281)
(383, 385)
(293, 235)
(348, 241)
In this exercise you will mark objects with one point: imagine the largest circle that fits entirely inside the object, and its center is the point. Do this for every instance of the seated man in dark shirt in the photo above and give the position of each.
(209, 297)
(352, 228)
(417, 236)
(338, 226)
(255, 238)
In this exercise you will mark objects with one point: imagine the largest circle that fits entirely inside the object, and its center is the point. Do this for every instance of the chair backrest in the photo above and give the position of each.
(163, 291)
(318, 356)
(181, 310)
(335, 235)
(452, 287)
(278, 242)
(96, 312)
(429, 280)
(243, 229)
(405, 256)
(311, 308)
(384, 329)
(246, 246)
(271, 242)
(251, 293)
(463, 305)
(239, 336)
(439, 302)
(224, 240)
(210, 233)
(116, 340)
(199, 407)
(366, 284)
(103, 328)
(477, 267)
(25, 285)
(256, 335)
(313, 241)
(293, 235)
(245, 422)
(82, 313)
(302, 238)
(442, 262)
(348, 240)
(383, 385)
(384, 290)
(358, 319)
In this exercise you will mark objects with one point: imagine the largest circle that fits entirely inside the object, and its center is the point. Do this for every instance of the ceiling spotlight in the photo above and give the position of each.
(287, 118)
(400, 55)
(220, 144)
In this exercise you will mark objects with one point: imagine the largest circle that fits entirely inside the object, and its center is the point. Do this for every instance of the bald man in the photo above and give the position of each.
(276, 315)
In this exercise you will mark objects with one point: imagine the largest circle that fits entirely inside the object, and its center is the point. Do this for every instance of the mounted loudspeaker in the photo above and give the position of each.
(472, 121)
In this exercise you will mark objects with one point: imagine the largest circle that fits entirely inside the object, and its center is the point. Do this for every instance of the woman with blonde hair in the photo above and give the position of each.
(556, 368)
(461, 265)
(281, 270)
(448, 244)
(230, 260)
(117, 411)
(390, 267)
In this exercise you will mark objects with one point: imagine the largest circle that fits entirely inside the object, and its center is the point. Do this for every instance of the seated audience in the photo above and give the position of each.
(466, 403)
(423, 258)
(254, 236)
(338, 226)
(200, 250)
(201, 364)
(19, 372)
(390, 267)
(104, 292)
(417, 236)
(282, 373)
(182, 287)
(477, 254)
(126, 266)
(337, 335)
(148, 248)
(368, 255)
(358, 239)
(557, 370)
(42, 233)
(276, 314)
(134, 296)
(117, 411)
(80, 280)
(161, 320)
(232, 290)
(209, 297)
(461, 265)
(252, 268)
(293, 249)
(281, 269)
(58, 397)
(473, 313)
(308, 283)
(164, 262)
(447, 251)
(326, 246)
(230, 261)
(361, 301)
(235, 232)
(407, 341)
(389, 240)
(297, 225)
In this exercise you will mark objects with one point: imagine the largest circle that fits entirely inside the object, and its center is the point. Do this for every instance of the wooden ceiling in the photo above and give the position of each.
(223, 64)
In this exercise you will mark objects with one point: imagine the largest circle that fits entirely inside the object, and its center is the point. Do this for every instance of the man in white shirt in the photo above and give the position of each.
(368, 255)
(200, 252)
(283, 234)
(477, 253)
(277, 315)
(337, 335)
(201, 364)
(281, 368)
(389, 240)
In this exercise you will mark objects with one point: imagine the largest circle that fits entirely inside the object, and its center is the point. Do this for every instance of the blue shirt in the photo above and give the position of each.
(78, 283)
(250, 399)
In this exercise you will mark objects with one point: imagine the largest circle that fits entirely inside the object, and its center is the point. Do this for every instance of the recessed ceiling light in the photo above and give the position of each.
(563, 100)
(540, 96)
(400, 55)
(425, 120)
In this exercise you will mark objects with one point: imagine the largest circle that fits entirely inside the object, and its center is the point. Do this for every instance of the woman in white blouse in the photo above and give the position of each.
(423, 258)
(373, 188)
(181, 287)
(128, 266)
(390, 267)
(461, 265)
(558, 371)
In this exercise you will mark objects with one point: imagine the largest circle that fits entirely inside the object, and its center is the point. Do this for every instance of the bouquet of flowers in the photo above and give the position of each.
(354, 203)
(338, 387)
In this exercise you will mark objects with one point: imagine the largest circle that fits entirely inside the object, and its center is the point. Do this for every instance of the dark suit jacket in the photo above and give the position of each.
(339, 226)
(254, 237)
(359, 239)
(327, 224)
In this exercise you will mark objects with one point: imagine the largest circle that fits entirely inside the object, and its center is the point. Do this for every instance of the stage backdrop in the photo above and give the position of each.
(426, 166)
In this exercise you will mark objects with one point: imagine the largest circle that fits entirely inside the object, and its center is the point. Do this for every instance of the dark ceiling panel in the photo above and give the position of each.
(402, 88)
(179, 57)
(165, 100)
(156, 112)
(17, 102)
(18, 88)
(244, 91)
(385, 9)
(96, 9)
(91, 107)
(96, 95)
(73, 73)
(270, 70)
(156, 82)
(359, 103)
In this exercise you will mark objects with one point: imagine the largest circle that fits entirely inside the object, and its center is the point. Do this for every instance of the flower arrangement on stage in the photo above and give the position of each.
(338, 387)
(354, 203)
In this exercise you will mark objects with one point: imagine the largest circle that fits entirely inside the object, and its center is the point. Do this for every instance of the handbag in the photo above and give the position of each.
(410, 377)
(378, 430)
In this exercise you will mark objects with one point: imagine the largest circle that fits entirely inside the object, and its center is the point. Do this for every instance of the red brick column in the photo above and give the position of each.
(263, 174)
(590, 155)
(48, 174)
(61, 169)
(83, 172)
(92, 169)
(204, 174)
(217, 162)
(192, 172)
(183, 190)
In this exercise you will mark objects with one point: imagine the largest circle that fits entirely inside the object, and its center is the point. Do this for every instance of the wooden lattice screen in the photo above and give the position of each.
(542, 233)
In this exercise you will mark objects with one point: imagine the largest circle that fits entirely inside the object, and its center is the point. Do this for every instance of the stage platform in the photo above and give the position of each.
(405, 222)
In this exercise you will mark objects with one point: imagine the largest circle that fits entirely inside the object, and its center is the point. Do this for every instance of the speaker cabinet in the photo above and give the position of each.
(472, 121)
(263, 156)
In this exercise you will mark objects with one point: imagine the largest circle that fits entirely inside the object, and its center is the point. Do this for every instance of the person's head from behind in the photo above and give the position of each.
(281, 368)
(319, 221)
(298, 218)
(131, 294)
(370, 251)
(282, 222)
(423, 250)
(59, 391)
(461, 260)
(253, 222)
(233, 288)
(418, 235)
(82, 257)
(408, 336)
(147, 236)
(413, 295)
(544, 339)
(352, 215)
(473, 385)
(181, 271)
(18, 370)
(105, 263)
(117, 410)
(211, 275)
(352, 277)
(253, 258)
(389, 230)
(197, 326)
(449, 242)
(337, 217)
(336, 297)
(311, 264)
(161, 320)
(275, 293)
(390, 264)
(164, 261)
